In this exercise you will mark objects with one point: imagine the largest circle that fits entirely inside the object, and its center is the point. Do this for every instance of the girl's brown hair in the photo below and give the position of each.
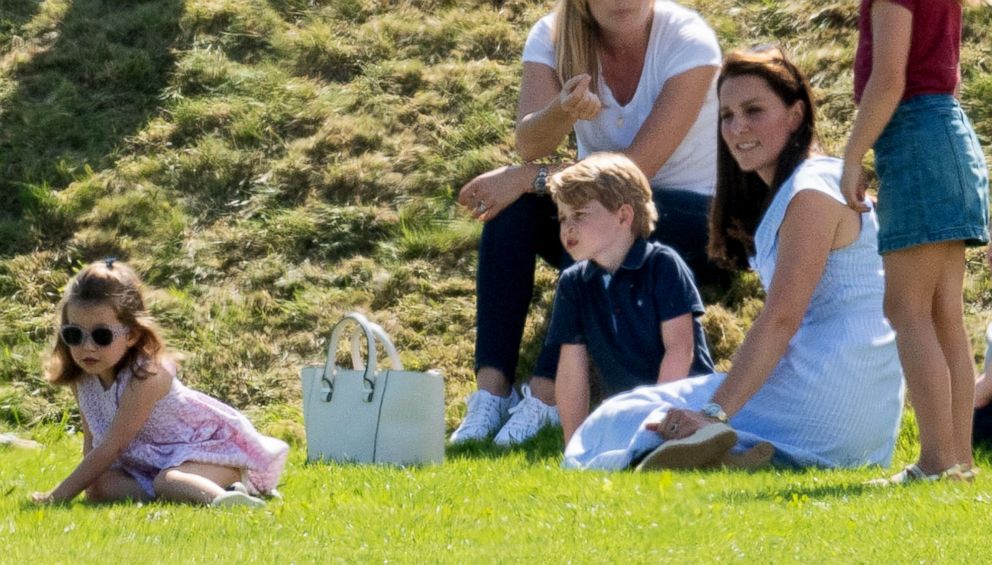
(742, 197)
(117, 285)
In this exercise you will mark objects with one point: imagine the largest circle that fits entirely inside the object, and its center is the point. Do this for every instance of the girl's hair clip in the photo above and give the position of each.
(109, 261)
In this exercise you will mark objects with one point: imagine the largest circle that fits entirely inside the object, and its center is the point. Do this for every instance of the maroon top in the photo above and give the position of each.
(934, 50)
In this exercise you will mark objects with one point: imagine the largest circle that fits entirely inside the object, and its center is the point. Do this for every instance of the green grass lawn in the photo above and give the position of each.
(517, 506)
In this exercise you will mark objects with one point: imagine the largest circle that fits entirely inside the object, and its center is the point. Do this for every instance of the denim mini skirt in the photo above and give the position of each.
(933, 180)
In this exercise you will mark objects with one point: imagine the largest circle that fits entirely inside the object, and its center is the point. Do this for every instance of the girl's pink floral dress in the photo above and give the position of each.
(185, 425)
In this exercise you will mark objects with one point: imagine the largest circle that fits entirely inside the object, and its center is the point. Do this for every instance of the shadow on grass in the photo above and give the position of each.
(547, 444)
(816, 492)
(13, 15)
(86, 85)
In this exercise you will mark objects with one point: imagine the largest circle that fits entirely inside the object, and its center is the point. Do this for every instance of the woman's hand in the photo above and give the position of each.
(679, 424)
(577, 100)
(486, 195)
(852, 186)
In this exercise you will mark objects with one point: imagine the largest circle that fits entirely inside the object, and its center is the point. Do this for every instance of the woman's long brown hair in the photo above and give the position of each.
(742, 197)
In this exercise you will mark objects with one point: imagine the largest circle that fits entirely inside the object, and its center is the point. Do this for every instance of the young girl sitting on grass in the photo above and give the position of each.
(145, 435)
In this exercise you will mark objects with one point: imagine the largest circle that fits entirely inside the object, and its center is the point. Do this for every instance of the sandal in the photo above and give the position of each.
(967, 474)
(705, 447)
(913, 474)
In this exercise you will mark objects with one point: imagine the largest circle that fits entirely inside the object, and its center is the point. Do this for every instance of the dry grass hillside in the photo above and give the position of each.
(270, 164)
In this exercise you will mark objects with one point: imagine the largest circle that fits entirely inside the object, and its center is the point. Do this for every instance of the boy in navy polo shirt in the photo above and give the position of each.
(628, 306)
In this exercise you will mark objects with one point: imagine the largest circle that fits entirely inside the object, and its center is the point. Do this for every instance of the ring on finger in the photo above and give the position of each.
(481, 206)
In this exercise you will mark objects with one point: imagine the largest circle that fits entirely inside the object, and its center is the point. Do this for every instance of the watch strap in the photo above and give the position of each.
(540, 184)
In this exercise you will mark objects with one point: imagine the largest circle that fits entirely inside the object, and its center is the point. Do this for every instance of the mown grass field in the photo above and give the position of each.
(487, 506)
(271, 164)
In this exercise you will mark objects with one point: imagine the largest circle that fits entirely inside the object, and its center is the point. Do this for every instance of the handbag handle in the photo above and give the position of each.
(372, 332)
(382, 338)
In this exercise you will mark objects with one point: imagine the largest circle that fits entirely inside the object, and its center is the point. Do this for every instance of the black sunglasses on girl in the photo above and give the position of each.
(74, 336)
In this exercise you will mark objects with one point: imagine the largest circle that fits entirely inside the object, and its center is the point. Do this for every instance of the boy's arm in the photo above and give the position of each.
(679, 343)
(572, 387)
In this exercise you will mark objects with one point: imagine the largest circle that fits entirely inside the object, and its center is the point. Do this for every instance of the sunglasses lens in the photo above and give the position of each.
(72, 336)
(103, 336)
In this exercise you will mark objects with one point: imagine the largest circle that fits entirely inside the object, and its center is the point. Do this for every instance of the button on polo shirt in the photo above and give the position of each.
(618, 317)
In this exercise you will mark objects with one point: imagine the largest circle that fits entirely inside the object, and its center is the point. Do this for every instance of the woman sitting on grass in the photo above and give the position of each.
(635, 77)
(817, 376)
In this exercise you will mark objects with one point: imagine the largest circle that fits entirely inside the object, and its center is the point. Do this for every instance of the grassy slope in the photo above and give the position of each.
(270, 164)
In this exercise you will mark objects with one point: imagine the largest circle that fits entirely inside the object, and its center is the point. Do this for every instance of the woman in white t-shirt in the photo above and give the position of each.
(634, 76)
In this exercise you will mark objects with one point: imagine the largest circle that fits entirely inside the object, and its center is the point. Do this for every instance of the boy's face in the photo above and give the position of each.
(592, 232)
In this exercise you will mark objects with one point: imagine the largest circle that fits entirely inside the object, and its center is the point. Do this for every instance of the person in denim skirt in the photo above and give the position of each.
(634, 76)
(932, 203)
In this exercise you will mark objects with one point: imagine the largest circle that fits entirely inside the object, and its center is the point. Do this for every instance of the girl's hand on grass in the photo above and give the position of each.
(486, 195)
(577, 100)
(853, 187)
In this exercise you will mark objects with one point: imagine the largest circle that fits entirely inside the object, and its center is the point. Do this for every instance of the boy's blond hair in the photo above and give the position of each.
(612, 180)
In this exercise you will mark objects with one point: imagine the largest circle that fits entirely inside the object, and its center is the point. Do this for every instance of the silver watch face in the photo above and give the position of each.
(713, 411)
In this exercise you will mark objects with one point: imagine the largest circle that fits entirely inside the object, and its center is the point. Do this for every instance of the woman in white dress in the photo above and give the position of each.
(818, 376)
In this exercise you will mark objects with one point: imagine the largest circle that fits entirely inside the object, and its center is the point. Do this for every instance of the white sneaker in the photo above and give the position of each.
(526, 419)
(236, 498)
(485, 416)
(238, 486)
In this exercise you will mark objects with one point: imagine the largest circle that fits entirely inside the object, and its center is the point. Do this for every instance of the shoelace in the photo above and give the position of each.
(529, 410)
(481, 414)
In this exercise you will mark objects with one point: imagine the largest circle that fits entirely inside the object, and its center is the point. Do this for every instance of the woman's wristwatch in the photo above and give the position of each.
(540, 184)
(715, 411)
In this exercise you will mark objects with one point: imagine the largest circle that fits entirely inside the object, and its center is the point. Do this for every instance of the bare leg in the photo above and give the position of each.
(948, 316)
(194, 482)
(543, 389)
(115, 484)
(493, 381)
(911, 280)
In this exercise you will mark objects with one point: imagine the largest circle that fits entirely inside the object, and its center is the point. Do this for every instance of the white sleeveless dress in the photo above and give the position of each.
(834, 399)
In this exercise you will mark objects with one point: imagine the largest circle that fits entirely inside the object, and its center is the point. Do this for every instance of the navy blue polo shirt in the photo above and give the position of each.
(618, 317)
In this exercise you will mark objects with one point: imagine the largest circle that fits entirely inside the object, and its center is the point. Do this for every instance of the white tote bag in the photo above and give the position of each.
(364, 415)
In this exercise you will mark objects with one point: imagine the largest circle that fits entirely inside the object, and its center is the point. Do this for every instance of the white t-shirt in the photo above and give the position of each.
(680, 40)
